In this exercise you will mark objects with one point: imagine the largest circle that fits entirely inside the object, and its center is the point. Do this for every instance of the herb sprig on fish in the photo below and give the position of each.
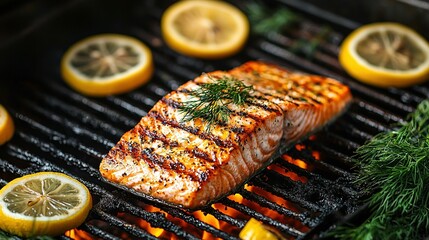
(394, 170)
(210, 101)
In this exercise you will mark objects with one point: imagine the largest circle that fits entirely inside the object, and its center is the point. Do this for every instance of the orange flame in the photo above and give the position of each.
(209, 219)
(298, 162)
(274, 214)
(161, 233)
(287, 173)
(261, 209)
(273, 198)
(315, 154)
(231, 211)
(224, 209)
(78, 234)
(146, 225)
(300, 147)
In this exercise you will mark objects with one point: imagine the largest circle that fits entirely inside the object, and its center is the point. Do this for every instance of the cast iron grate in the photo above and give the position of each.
(301, 194)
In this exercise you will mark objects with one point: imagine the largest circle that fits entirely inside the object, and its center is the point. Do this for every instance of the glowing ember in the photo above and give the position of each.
(145, 225)
(298, 162)
(230, 211)
(209, 219)
(273, 198)
(157, 232)
(78, 235)
(264, 210)
(316, 155)
(312, 138)
(163, 234)
(285, 172)
(300, 147)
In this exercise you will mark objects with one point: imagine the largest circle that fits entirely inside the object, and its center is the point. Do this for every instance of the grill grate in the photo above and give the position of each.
(301, 194)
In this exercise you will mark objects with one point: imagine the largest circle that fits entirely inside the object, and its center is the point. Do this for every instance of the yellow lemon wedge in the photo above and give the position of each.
(7, 128)
(107, 64)
(255, 230)
(386, 55)
(205, 28)
(44, 203)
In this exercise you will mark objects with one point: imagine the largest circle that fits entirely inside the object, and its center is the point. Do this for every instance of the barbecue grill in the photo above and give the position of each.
(305, 192)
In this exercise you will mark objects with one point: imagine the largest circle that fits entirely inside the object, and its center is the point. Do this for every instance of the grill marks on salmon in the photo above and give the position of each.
(308, 102)
(182, 163)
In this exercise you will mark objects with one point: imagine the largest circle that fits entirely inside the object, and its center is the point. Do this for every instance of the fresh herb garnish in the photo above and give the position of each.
(309, 47)
(264, 20)
(210, 100)
(394, 168)
(7, 236)
(4, 235)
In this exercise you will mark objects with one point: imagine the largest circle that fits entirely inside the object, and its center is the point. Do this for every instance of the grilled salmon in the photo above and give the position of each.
(190, 163)
(308, 102)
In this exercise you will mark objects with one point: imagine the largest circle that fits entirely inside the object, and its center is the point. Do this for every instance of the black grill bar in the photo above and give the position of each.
(282, 227)
(288, 195)
(58, 129)
(123, 225)
(100, 232)
(223, 217)
(272, 205)
(60, 90)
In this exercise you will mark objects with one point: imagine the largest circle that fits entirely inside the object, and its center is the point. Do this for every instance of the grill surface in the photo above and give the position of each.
(57, 129)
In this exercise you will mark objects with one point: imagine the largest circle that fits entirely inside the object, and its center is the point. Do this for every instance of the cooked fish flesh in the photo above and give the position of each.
(308, 102)
(189, 163)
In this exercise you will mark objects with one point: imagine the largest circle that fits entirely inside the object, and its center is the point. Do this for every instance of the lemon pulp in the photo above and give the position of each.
(45, 203)
(107, 64)
(390, 50)
(386, 55)
(204, 28)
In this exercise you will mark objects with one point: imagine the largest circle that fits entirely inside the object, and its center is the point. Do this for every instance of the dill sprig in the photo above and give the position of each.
(7, 236)
(210, 100)
(394, 168)
(4, 235)
(264, 20)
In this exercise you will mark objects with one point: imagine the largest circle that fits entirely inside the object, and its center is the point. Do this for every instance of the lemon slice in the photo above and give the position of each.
(7, 127)
(107, 64)
(205, 28)
(44, 203)
(255, 230)
(386, 55)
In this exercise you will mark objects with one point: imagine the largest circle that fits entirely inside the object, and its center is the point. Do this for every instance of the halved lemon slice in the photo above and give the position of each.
(386, 55)
(205, 28)
(107, 64)
(44, 203)
(7, 128)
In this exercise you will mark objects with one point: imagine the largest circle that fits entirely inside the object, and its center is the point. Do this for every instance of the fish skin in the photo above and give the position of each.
(183, 164)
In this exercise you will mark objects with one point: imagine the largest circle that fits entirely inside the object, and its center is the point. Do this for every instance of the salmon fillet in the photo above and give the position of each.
(184, 164)
(308, 102)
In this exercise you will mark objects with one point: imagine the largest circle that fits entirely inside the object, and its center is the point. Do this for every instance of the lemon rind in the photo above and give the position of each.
(376, 76)
(19, 181)
(25, 227)
(7, 126)
(370, 28)
(208, 51)
(117, 84)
